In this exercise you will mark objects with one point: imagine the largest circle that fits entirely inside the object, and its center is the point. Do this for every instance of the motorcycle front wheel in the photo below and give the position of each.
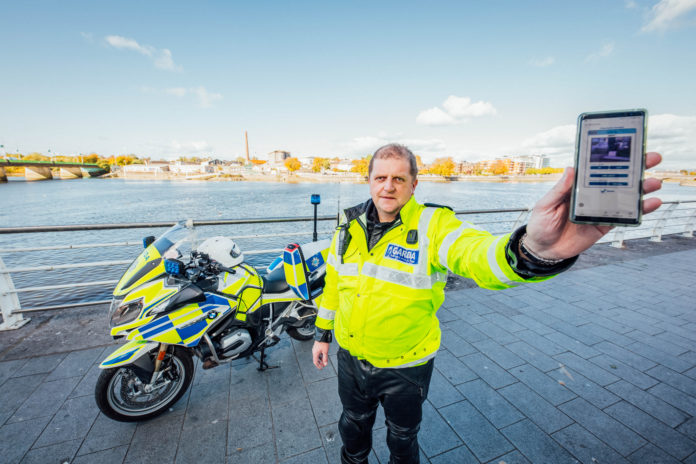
(122, 396)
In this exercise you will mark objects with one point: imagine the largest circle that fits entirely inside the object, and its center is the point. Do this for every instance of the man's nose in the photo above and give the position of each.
(389, 184)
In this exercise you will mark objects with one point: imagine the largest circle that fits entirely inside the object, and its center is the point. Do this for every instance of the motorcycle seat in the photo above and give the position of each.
(275, 281)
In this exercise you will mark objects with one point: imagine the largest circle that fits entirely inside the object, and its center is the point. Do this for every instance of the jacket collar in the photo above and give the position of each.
(355, 211)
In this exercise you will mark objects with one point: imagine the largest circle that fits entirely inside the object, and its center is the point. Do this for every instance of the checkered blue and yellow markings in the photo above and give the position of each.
(152, 294)
(148, 265)
(128, 353)
(294, 268)
(186, 325)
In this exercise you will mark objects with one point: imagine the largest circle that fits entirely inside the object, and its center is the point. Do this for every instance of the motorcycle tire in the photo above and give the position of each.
(118, 400)
(304, 332)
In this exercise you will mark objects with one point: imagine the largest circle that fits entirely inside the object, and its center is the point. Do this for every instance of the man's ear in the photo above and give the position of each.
(415, 182)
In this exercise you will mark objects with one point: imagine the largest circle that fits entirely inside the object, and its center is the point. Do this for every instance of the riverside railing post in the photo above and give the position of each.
(9, 303)
(617, 241)
(521, 219)
(315, 200)
(690, 225)
(657, 230)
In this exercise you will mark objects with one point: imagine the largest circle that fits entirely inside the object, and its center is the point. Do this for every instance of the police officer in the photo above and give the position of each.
(386, 273)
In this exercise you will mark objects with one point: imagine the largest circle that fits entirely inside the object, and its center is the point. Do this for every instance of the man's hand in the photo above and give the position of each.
(551, 235)
(320, 354)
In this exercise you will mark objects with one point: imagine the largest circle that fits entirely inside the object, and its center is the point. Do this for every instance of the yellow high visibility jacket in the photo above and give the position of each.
(381, 303)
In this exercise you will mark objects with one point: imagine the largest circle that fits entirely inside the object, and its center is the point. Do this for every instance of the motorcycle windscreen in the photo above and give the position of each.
(294, 267)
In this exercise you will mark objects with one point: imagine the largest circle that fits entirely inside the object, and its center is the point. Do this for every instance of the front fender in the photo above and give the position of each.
(128, 353)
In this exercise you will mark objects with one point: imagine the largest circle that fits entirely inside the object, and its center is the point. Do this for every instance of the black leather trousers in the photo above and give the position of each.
(400, 391)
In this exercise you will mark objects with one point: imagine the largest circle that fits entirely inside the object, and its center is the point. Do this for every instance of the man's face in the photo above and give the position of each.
(391, 186)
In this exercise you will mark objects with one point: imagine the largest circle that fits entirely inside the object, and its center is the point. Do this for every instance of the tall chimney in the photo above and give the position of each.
(246, 141)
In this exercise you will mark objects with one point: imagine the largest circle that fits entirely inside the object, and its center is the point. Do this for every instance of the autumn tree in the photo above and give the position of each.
(361, 165)
(293, 164)
(499, 167)
(442, 167)
(92, 158)
(320, 164)
(419, 163)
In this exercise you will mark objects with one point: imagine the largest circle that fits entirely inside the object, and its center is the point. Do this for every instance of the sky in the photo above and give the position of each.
(471, 80)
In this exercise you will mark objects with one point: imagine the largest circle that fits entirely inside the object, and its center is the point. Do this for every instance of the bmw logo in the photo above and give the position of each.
(212, 315)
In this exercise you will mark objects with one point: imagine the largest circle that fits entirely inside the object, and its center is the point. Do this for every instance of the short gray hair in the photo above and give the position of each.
(395, 150)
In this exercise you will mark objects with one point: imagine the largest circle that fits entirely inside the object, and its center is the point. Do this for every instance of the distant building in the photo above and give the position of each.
(155, 167)
(278, 156)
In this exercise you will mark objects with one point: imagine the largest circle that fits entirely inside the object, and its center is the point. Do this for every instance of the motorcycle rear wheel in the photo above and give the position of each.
(116, 394)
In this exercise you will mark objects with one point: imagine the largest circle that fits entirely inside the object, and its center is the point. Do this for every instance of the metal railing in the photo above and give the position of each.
(671, 218)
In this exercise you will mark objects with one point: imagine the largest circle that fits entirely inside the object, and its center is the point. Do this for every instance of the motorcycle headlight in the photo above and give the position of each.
(126, 313)
(115, 303)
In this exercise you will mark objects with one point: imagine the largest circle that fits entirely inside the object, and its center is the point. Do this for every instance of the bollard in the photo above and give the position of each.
(315, 200)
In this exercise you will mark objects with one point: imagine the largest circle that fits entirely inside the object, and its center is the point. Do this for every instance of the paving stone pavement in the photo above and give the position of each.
(595, 366)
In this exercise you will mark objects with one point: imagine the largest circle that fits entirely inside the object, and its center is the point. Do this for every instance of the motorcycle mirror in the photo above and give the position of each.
(147, 241)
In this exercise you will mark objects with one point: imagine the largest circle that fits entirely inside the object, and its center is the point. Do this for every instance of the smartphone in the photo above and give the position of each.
(609, 165)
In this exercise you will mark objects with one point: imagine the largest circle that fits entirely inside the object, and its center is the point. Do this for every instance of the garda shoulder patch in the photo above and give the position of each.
(404, 255)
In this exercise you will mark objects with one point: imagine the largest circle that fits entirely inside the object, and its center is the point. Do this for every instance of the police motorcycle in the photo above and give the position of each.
(177, 301)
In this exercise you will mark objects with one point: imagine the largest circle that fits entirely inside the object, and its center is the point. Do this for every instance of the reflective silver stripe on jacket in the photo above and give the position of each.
(347, 269)
(447, 244)
(493, 263)
(326, 314)
(415, 281)
(423, 240)
(416, 362)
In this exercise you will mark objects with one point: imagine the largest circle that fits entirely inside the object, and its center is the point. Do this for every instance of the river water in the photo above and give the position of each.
(95, 201)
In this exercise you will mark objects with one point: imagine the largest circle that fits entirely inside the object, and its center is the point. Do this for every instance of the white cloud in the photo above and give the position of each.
(162, 59)
(542, 62)
(671, 135)
(455, 110)
(204, 99)
(462, 107)
(559, 140)
(630, 4)
(665, 13)
(165, 61)
(176, 91)
(428, 149)
(435, 117)
(196, 147)
(606, 50)
(675, 138)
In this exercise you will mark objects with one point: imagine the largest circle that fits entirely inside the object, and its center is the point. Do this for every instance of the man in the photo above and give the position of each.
(385, 280)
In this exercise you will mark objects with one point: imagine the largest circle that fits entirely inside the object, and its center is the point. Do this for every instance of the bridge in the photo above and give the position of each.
(41, 170)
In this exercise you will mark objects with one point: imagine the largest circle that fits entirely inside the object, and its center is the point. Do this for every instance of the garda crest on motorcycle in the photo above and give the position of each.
(176, 301)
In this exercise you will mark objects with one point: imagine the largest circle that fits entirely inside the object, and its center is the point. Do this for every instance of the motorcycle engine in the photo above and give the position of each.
(235, 342)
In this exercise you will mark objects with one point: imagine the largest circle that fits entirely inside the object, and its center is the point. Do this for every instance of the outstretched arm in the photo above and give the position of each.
(551, 235)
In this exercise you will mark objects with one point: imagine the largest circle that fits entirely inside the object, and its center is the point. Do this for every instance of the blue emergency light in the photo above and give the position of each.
(173, 267)
(316, 199)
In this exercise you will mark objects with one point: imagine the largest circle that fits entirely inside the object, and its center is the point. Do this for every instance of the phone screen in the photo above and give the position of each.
(609, 164)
